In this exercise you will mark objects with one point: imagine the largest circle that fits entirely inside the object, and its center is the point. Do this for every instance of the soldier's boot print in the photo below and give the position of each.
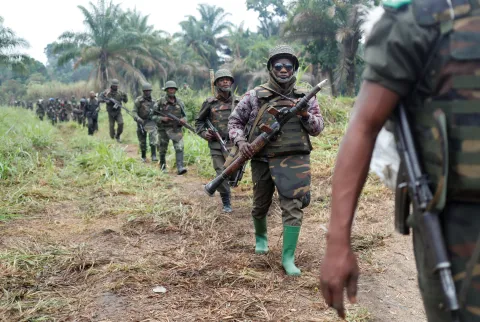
(163, 163)
(144, 156)
(227, 207)
(261, 240)
(153, 148)
(180, 168)
(290, 239)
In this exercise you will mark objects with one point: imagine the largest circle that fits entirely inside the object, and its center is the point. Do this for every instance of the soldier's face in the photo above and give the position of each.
(224, 82)
(114, 88)
(282, 68)
(147, 93)
(92, 96)
(171, 91)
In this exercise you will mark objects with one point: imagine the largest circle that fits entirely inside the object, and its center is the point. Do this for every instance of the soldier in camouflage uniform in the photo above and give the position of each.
(217, 109)
(91, 113)
(114, 115)
(425, 55)
(285, 163)
(40, 111)
(169, 129)
(142, 114)
(51, 111)
(29, 105)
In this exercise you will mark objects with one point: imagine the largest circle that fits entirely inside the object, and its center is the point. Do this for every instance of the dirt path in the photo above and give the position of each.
(96, 261)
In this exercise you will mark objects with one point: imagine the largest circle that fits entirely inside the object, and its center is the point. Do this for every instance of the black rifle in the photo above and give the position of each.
(423, 202)
(117, 105)
(212, 128)
(270, 133)
(176, 120)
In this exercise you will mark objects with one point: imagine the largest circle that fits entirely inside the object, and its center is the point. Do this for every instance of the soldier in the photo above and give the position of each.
(169, 129)
(217, 110)
(285, 163)
(40, 111)
(29, 105)
(142, 114)
(114, 114)
(79, 111)
(425, 55)
(73, 102)
(91, 113)
(51, 111)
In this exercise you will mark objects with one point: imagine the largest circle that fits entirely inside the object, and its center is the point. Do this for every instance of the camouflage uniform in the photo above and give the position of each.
(114, 115)
(170, 130)
(143, 109)
(283, 164)
(398, 48)
(217, 110)
(29, 105)
(91, 114)
(51, 111)
(40, 111)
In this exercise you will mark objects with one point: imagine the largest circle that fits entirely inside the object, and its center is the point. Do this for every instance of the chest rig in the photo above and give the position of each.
(294, 139)
(145, 107)
(174, 108)
(447, 123)
(219, 113)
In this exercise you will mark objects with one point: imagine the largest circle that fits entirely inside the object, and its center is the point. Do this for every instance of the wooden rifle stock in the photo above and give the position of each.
(262, 140)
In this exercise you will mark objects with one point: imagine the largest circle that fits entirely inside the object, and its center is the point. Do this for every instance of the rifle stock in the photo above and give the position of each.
(262, 140)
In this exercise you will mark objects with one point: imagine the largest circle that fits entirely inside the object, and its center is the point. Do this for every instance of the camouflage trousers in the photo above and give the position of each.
(112, 118)
(151, 132)
(218, 161)
(263, 189)
(461, 227)
(164, 140)
(92, 123)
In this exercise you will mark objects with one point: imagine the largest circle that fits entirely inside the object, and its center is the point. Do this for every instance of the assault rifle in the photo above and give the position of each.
(270, 133)
(423, 201)
(213, 129)
(176, 120)
(117, 105)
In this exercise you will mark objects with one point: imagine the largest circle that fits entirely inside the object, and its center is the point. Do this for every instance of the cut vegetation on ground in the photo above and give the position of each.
(87, 232)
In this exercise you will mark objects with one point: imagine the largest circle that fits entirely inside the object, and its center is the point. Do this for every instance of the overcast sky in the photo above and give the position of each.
(41, 22)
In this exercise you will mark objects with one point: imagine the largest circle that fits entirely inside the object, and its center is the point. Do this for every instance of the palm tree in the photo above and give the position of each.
(206, 36)
(331, 31)
(112, 49)
(9, 44)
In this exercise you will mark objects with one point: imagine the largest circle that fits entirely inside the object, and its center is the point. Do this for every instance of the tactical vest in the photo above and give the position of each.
(294, 139)
(454, 73)
(145, 107)
(168, 107)
(219, 113)
(92, 105)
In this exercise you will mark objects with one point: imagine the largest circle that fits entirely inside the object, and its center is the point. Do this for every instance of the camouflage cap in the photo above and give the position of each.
(223, 73)
(170, 84)
(146, 87)
(282, 51)
(114, 82)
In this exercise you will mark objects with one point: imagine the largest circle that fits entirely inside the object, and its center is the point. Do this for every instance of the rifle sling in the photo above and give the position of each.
(257, 120)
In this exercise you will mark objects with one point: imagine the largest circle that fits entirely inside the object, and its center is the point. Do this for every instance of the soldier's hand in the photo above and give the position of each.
(246, 149)
(210, 136)
(339, 270)
(140, 121)
(165, 119)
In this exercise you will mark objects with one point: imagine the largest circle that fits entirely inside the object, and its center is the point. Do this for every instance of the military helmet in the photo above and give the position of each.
(146, 87)
(170, 84)
(282, 51)
(223, 73)
(114, 82)
(83, 100)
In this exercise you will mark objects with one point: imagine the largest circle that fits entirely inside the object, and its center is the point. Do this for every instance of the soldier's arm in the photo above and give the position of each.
(136, 106)
(201, 118)
(102, 97)
(124, 97)
(182, 109)
(313, 120)
(239, 118)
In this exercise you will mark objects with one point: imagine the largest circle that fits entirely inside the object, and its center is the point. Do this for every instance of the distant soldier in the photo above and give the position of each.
(143, 113)
(91, 113)
(40, 111)
(285, 163)
(168, 129)
(217, 110)
(79, 111)
(30, 105)
(51, 111)
(114, 113)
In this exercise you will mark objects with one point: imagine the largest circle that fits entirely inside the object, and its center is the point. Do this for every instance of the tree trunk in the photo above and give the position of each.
(350, 47)
(103, 70)
(331, 80)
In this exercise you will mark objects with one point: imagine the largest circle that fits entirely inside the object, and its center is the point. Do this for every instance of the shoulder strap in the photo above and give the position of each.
(261, 111)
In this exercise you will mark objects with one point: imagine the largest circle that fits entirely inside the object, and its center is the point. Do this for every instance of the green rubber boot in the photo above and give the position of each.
(261, 241)
(290, 239)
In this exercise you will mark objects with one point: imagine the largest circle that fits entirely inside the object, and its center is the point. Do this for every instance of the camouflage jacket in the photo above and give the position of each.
(247, 109)
(117, 95)
(143, 108)
(165, 105)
